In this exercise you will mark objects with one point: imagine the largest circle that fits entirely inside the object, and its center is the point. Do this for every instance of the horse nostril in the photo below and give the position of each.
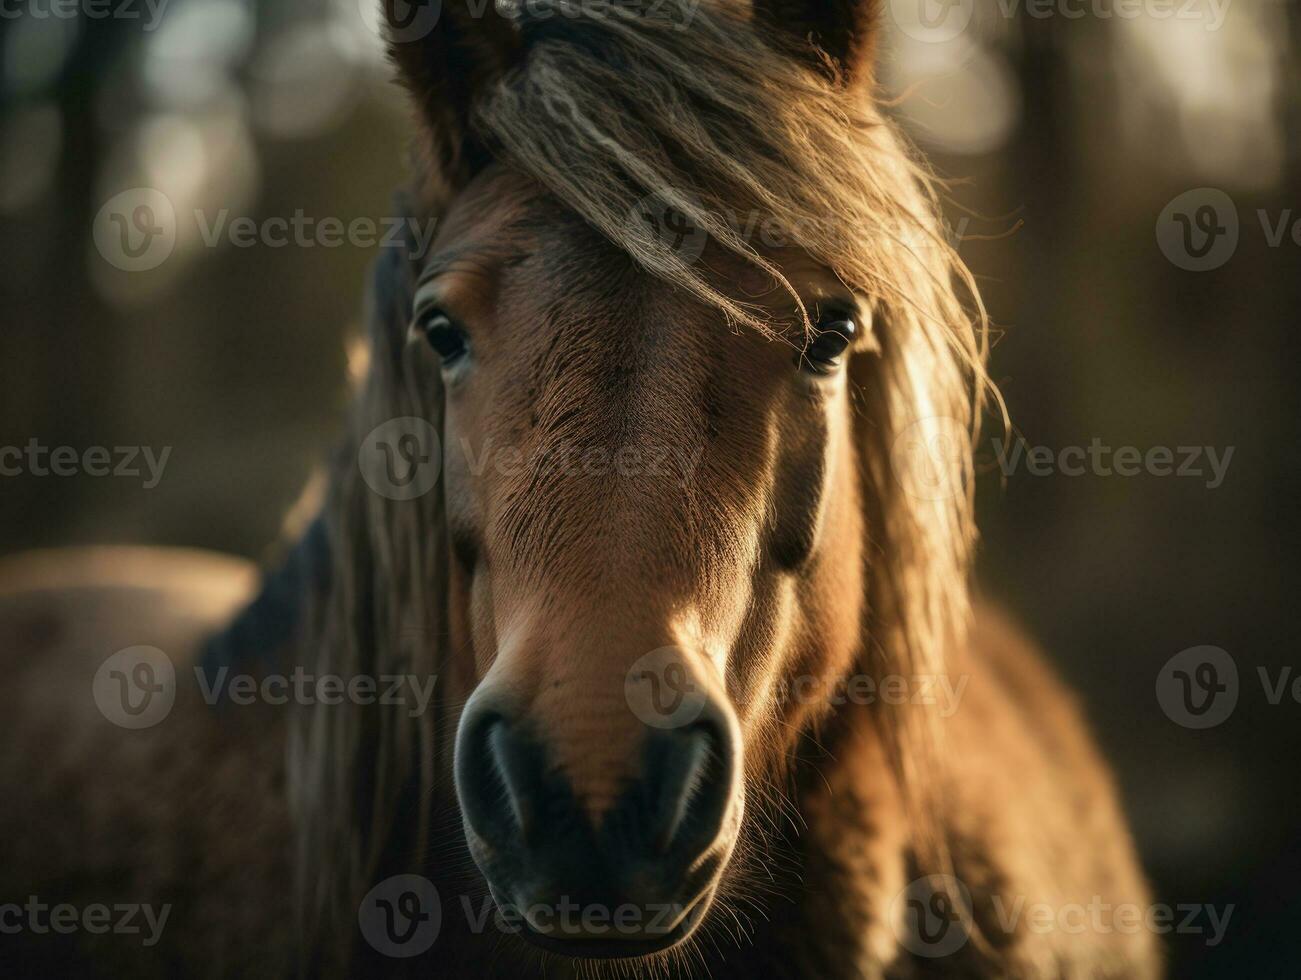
(503, 770)
(688, 774)
(493, 775)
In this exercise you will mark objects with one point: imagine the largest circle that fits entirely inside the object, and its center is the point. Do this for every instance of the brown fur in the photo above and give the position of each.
(801, 545)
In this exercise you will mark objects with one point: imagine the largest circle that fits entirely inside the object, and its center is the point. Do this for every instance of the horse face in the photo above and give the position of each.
(653, 524)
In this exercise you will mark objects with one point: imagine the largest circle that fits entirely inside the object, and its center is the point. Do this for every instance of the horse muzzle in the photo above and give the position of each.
(631, 879)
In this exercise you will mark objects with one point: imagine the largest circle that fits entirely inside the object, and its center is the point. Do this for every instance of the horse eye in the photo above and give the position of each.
(445, 337)
(833, 337)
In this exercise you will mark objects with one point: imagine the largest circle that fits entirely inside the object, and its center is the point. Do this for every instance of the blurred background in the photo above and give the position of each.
(1127, 188)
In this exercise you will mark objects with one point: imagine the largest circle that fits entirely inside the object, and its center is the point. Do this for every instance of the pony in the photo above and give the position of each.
(658, 476)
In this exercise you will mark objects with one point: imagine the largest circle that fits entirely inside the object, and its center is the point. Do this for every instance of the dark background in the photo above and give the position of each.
(1067, 138)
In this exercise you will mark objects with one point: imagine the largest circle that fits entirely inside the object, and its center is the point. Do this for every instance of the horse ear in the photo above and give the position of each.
(448, 53)
(845, 30)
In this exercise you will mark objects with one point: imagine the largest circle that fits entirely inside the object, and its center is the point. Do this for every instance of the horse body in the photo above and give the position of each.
(190, 814)
(690, 573)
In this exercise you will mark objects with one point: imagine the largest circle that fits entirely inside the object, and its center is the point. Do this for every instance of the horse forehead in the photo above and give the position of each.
(584, 333)
(622, 362)
(584, 325)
